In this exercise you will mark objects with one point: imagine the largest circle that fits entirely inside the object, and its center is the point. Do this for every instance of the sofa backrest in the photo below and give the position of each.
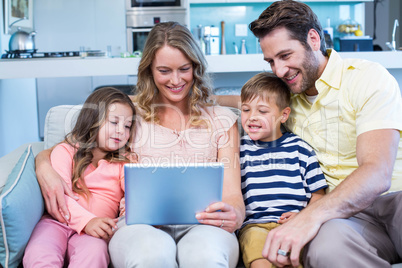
(61, 119)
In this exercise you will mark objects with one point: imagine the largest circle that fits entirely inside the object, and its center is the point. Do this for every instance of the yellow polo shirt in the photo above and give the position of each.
(354, 96)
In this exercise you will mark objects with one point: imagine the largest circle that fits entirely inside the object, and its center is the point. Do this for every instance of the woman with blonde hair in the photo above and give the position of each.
(177, 123)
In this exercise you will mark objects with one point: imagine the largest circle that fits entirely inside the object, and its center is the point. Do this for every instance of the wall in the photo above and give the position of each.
(60, 26)
(66, 25)
(200, 14)
(95, 24)
(18, 121)
(387, 11)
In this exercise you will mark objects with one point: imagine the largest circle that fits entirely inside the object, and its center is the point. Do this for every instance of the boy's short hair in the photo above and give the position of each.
(266, 85)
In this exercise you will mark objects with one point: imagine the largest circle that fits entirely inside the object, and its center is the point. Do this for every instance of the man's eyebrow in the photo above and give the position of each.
(279, 53)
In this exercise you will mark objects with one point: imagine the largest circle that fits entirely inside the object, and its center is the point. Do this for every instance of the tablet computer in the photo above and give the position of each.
(170, 194)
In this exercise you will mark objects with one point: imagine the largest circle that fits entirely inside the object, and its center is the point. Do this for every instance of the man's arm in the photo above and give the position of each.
(376, 152)
(228, 100)
(285, 217)
(53, 187)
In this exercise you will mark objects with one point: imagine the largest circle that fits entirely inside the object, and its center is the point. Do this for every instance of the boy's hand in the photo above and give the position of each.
(286, 217)
(101, 227)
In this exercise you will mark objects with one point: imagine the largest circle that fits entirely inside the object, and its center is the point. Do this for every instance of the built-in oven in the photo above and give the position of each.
(175, 4)
(140, 22)
(154, 3)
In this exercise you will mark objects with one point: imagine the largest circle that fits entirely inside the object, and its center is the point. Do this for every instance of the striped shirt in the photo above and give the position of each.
(277, 177)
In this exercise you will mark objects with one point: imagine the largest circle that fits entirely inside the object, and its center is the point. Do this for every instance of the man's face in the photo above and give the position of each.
(297, 66)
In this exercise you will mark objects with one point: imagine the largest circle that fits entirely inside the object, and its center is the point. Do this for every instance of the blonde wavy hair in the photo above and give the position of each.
(83, 136)
(177, 36)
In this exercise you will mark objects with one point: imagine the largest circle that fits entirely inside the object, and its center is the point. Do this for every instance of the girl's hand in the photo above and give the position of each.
(221, 215)
(286, 217)
(101, 227)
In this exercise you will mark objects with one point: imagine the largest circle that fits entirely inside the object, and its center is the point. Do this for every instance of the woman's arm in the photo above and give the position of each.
(53, 187)
(232, 210)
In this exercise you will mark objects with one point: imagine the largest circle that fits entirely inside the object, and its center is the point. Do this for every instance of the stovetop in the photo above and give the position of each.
(35, 54)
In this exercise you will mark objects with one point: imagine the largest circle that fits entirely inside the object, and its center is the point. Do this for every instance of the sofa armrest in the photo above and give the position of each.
(8, 161)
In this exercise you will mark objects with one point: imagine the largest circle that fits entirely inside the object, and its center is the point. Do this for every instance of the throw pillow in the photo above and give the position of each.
(21, 206)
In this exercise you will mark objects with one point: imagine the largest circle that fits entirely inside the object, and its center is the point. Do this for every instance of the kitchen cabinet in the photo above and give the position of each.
(60, 91)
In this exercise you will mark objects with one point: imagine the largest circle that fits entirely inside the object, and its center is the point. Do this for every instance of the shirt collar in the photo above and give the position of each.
(332, 74)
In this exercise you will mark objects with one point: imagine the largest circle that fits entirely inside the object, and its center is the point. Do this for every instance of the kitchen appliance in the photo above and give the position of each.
(17, 54)
(22, 41)
(140, 23)
(35, 54)
(210, 40)
(214, 41)
(356, 43)
(135, 4)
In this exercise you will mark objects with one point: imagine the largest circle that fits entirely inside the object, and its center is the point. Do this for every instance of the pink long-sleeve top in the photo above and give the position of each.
(105, 182)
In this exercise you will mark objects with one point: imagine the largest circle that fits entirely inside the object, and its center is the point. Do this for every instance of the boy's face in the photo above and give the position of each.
(261, 119)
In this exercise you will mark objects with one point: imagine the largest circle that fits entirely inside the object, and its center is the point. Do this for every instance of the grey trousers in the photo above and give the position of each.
(192, 246)
(371, 238)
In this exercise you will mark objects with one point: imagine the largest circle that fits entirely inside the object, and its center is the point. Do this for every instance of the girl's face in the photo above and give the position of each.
(115, 131)
(173, 75)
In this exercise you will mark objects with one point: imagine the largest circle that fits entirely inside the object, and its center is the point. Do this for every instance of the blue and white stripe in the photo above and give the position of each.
(277, 177)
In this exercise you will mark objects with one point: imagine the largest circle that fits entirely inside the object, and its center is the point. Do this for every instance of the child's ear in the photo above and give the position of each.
(285, 114)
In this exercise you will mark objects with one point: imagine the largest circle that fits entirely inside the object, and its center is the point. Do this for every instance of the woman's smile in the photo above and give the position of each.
(173, 75)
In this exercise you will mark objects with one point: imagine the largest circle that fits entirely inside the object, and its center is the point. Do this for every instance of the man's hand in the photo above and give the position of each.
(290, 237)
(101, 228)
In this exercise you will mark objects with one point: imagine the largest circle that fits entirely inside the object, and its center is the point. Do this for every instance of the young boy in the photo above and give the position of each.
(279, 171)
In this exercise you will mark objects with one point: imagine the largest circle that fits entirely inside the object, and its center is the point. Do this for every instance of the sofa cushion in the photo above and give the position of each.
(59, 121)
(8, 161)
(22, 206)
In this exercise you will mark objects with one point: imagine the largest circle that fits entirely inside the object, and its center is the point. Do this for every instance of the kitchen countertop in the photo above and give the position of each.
(100, 66)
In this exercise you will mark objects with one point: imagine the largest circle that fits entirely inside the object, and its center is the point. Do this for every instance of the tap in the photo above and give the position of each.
(396, 24)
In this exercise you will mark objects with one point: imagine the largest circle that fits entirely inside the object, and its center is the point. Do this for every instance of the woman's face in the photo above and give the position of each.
(173, 75)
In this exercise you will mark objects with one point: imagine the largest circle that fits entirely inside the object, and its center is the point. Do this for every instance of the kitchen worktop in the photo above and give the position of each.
(99, 66)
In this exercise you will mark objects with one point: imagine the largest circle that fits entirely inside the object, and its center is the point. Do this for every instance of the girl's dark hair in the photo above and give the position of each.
(296, 17)
(83, 136)
(266, 85)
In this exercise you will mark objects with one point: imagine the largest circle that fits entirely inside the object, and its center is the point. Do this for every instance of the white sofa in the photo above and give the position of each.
(59, 121)
(21, 201)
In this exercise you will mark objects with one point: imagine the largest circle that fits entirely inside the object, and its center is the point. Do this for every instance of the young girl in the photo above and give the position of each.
(90, 161)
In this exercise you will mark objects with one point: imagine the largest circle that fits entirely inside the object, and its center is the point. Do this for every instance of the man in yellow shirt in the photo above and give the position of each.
(350, 113)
